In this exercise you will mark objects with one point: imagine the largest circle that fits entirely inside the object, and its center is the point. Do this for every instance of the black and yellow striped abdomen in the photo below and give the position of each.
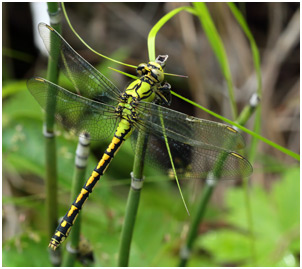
(68, 220)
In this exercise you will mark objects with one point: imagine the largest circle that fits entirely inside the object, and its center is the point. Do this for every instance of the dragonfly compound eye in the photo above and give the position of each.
(157, 75)
(141, 69)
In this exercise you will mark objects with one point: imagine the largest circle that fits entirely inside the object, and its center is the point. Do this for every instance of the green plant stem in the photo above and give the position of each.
(205, 197)
(250, 221)
(133, 200)
(198, 216)
(51, 184)
(244, 116)
(211, 181)
(50, 145)
(128, 227)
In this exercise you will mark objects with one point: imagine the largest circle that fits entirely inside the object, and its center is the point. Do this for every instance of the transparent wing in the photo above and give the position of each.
(77, 114)
(198, 146)
(88, 81)
(187, 129)
(193, 161)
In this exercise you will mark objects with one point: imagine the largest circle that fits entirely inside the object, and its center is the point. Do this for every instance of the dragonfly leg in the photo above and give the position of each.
(164, 94)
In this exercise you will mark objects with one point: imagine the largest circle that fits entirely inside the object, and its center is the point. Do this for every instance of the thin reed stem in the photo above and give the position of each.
(197, 218)
(133, 200)
(207, 193)
(50, 141)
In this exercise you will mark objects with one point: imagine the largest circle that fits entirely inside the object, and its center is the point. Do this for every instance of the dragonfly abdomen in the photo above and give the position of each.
(68, 220)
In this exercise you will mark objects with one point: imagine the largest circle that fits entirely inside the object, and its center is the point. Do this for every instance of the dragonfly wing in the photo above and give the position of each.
(198, 161)
(88, 81)
(188, 129)
(76, 113)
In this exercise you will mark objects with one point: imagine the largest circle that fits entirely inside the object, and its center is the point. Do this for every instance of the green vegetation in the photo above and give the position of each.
(253, 223)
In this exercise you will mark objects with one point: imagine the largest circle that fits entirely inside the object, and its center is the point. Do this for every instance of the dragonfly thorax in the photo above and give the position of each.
(144, 88)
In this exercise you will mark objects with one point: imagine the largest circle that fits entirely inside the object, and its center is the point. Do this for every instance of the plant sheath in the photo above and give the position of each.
(133, 200)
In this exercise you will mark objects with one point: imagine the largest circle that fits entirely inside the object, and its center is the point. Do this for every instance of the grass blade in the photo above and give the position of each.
(218, 48)
(159, 25)
(94, 51)
(256, 135)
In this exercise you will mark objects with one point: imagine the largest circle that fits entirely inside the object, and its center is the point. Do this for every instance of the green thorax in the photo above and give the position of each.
(142, 89)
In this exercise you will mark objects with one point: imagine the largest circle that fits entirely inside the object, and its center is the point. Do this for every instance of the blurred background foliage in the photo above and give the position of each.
(120, 30)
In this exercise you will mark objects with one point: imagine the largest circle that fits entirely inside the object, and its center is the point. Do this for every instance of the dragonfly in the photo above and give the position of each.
(99, 108)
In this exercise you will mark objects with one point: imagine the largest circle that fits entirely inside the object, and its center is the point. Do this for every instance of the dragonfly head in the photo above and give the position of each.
(153, 70)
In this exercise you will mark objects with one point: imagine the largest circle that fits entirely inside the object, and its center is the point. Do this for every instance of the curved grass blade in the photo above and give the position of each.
(159, 25)
(256, 135)
(94, 51)
(123, 73)
(255, 52)
(171, 160)
(218, 48)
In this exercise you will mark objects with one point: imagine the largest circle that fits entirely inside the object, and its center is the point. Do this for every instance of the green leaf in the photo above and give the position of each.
(26, 251)
(227, 246)
(286, 195)
(12, 87)
(275, 217)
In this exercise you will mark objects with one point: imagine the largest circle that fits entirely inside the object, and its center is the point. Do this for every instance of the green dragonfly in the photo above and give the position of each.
(99, 108)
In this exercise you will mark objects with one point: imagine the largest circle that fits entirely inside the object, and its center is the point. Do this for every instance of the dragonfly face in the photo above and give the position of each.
(152, 71)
